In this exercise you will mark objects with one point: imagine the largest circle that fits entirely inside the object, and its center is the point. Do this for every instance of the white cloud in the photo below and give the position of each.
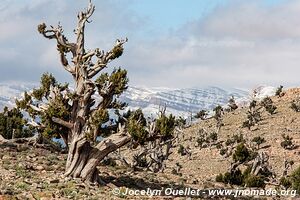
(242, 43)
(239, 44)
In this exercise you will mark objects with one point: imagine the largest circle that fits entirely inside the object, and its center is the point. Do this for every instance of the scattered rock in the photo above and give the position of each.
(6, 157)
(54, 181)
(39, 167)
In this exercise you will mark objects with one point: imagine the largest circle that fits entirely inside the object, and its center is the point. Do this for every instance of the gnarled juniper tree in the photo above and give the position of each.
(75, 115)
(13, 125)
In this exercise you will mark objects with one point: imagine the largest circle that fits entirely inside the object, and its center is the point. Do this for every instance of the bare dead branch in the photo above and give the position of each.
(62, 122)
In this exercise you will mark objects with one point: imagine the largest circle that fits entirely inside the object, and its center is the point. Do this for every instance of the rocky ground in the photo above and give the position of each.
(36, 173)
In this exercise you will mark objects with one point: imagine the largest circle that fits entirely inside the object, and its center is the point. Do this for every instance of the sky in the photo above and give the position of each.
(172, 43)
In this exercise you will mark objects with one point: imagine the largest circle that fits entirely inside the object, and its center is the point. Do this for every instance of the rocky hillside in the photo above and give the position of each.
(31, 173)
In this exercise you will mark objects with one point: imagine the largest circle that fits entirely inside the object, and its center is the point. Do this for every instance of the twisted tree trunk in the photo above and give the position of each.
(83, 158)
(83, 161)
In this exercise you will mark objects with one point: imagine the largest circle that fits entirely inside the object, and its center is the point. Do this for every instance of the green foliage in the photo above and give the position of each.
(218, 112)
(285, 182)
(241, 154)
(223, 152)
(100, 117)
(205, 139)
(271, 109)
(234, 177)
(267, 103)
(232, 104)
(235, 139)
(117, 52)
(23, 104)
(279, 91)
(237, 177)
(219, 178)
(253, 115)
(287, 142)
(141, 161)
(180, 122)
(42, 27)
(254, 181)
(213, 136)
(117, 80)
(202, 114)
(165, 126)
(258, 141)
(181, 150)
(47, 80)
(295, 105)
(57, 107)
(136, 126)
(295, 180)
(12, 123)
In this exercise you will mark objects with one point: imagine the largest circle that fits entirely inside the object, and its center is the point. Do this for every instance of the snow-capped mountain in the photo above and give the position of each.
(181, 102)
(10, 91)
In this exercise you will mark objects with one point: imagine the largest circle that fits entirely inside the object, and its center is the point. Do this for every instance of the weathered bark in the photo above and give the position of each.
(85, 159)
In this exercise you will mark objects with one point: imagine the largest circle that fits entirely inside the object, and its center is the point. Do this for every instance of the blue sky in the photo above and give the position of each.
(172, 43)
(170, 14)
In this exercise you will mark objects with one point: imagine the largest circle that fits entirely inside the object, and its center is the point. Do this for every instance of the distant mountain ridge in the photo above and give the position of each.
(178, 101)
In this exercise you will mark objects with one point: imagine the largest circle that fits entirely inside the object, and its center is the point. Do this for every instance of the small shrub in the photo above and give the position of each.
(229, 142)
(201, 141)
(285, 182)
(295, 105)
(271, 109)
(232, 104)
(241, 154)
(141, 162)
(219, 146)
(287, 142)
(267, 103)
(182, 150)
(223, 152)
(295, 179)
(234, 178)
(253, 116)
(213, 136)
(205, 139)
(218, 115)
(258, 141)
(202, 114)
(22, 186)
(279, 91)
(180, 122)
(219, 178)
(109, 162)
(238, 138)
(176, 170)
(255, 181)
